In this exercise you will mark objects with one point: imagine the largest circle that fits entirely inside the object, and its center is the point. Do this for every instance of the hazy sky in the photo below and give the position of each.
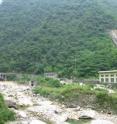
(0, 1)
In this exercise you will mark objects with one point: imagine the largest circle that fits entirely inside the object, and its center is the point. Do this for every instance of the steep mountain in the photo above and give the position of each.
(70, 37)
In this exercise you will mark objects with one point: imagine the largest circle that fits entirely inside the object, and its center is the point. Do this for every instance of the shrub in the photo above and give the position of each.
(107, 101)
(76, 94)
(5, 113)
(48, 82)
(11, 77)
(102, 97)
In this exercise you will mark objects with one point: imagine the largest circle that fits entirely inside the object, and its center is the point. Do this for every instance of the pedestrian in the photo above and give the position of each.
(32, 83)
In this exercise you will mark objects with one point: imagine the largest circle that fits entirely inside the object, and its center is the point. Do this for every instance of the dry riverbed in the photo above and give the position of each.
(33, 109)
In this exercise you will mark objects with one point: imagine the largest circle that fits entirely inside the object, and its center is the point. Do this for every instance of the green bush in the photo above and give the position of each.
(48, 82)
(102, 97)
(11, 77)
(5, 113)
(62, 92)
(106, 101)
(74, 93)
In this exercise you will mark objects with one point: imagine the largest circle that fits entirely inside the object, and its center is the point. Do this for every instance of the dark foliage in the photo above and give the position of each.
(5, 113)
(66, 36)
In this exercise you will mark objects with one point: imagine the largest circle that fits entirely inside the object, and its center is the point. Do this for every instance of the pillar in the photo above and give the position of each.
(109, 78)
(100, 78)
(115, 78)
(104, 78)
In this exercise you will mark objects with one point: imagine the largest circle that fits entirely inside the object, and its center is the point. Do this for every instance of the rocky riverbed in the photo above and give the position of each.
(33, 109)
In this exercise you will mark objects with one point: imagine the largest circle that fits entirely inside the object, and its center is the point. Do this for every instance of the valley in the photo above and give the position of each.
(58, 62)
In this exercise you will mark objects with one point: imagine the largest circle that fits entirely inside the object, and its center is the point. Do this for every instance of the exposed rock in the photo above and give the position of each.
(37, 122)
(21, 114)
(27, 122)
(48, 112)
(101, 122)
(37, 107)
(111, 91)
(72, 114)
(11, 104)
(78, 108)
(87, 114)
(10, 95)
(23, 100)
(71, 105)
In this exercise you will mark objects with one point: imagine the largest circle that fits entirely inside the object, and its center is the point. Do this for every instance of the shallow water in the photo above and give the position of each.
(81, 121)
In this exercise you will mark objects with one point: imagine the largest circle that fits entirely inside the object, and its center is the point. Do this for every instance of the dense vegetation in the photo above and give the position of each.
(76, 94)
(81, 121)
(66, 36)
(5, 113)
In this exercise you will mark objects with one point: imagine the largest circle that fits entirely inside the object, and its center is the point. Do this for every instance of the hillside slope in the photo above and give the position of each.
(67, 36)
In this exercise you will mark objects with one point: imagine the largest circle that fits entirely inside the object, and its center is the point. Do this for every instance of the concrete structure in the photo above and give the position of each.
(108, 76)
(51, 75)
(2, 76)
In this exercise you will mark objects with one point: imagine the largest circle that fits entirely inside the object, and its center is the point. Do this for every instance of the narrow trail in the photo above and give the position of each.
(113, 34)
(33, 109)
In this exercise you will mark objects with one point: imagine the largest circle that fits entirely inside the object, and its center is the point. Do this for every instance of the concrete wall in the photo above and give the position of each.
(108, 77)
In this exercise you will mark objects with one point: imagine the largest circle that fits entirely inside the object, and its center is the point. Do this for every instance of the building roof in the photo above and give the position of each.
(111, 71)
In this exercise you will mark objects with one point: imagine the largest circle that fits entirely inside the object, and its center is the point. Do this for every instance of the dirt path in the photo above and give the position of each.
(114, 36)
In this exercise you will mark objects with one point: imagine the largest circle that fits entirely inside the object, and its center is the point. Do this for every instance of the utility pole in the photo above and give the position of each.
(75, 66)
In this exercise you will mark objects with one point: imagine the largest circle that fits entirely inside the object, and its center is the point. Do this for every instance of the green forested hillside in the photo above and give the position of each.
(70, 37)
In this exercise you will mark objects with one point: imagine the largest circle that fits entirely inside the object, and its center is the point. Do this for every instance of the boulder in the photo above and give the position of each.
(101, 122)
(24, 101)
(37, 122)
(11, 104)
(21, 114)
(87, 114)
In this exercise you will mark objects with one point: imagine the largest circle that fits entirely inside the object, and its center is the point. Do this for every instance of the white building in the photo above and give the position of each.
(108, 76)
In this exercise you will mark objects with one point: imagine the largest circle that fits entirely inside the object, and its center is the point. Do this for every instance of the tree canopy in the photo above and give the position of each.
(70, 37)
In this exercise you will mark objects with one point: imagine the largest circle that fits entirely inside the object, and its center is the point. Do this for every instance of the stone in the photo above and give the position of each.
(87, 114)
(111, 91)
(25, 101)
(78, 108)
(10, 95)
(101, 122)
(36, 107)
(11, 104)
(71, 105)
(22, 114)
(37, 122)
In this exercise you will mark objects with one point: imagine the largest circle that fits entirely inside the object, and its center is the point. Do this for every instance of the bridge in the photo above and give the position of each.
(3, 77)
(7, 76)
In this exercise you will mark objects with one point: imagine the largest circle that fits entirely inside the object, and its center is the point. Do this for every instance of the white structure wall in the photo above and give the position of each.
(108, 76)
